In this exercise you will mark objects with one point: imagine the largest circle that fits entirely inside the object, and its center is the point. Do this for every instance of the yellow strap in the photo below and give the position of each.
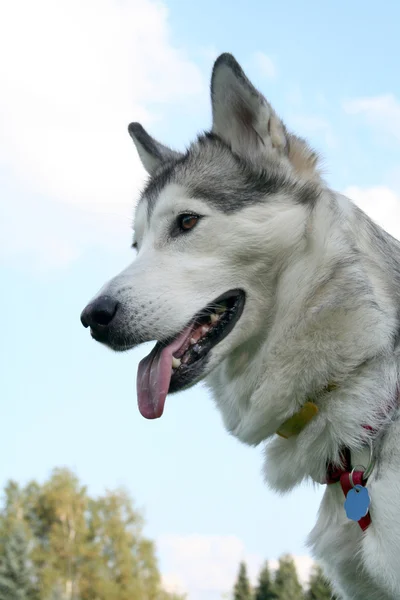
(296, 423)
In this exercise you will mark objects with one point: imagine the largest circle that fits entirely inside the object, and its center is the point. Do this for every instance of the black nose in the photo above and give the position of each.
(99, 313)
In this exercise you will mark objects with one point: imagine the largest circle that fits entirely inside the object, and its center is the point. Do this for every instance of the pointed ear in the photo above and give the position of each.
(151, 153)
(241, 115)
(247, 122)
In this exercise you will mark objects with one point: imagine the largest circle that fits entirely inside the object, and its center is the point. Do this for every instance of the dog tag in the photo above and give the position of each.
(357, 503)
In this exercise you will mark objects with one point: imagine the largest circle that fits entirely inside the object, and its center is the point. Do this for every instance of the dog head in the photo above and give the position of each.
(213, 228)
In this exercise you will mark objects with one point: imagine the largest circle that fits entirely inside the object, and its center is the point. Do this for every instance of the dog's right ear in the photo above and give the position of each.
(151, 153)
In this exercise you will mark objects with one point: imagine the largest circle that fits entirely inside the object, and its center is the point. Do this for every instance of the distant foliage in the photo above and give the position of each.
(283, 584)
(286, 584)
(319, 586)
(242, 590)
(58, 543)
(16, 573)
(265, 586)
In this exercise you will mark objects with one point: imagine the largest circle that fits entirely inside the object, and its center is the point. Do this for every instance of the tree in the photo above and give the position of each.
(242, 589)
(57, 517)
(128, 567)
(16, 574)
(56, 593)
(286, 584)
(319, 588)
(264, 589)
(80, 548)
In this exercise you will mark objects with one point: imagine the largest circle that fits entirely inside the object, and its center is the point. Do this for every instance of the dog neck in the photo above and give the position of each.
(314, 440)
(332, 315)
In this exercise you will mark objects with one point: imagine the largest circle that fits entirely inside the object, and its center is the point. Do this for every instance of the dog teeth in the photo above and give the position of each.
(176, 362)
(192, 341)
(221, 308)
(204, 330)
(214, 318)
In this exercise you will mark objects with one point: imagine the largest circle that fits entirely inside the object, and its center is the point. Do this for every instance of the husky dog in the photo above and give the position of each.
(253, 275)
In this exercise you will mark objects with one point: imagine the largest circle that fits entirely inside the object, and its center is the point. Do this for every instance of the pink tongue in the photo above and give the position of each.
(154, 376)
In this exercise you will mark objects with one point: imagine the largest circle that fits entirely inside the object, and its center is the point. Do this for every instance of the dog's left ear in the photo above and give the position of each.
(244, 119)
(152, 153)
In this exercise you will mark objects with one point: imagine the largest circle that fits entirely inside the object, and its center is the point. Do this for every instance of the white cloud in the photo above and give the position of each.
(382, 112)
(381, 203)
(264, 64)
(74, 73)
(205, 566)
(173, 583)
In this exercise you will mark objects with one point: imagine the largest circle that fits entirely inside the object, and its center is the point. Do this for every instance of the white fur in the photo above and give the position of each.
(322, 303)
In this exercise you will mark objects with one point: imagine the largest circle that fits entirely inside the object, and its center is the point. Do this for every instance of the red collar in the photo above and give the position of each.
(345, 474)
(349, 477)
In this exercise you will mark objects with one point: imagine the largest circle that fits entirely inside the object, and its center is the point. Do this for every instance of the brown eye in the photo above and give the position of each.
(186, 222)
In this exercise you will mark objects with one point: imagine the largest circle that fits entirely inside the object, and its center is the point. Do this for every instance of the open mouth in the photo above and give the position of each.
(177, 363)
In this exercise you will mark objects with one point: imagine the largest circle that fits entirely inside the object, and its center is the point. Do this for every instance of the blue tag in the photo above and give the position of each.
(357, 503)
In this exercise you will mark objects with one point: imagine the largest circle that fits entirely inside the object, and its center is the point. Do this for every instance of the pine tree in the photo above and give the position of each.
(264, 589)
(242, 589)
(16, 574)
(319, 588)
(286, 584)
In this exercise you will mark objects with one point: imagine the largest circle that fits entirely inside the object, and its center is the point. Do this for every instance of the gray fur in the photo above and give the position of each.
(212, 172)
(322, 288)
(152, 153)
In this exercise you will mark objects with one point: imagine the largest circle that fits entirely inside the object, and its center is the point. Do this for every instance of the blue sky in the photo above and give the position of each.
(74, 74)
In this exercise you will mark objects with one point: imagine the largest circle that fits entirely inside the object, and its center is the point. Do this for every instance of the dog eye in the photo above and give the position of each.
(186, 222)
(134, 245)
